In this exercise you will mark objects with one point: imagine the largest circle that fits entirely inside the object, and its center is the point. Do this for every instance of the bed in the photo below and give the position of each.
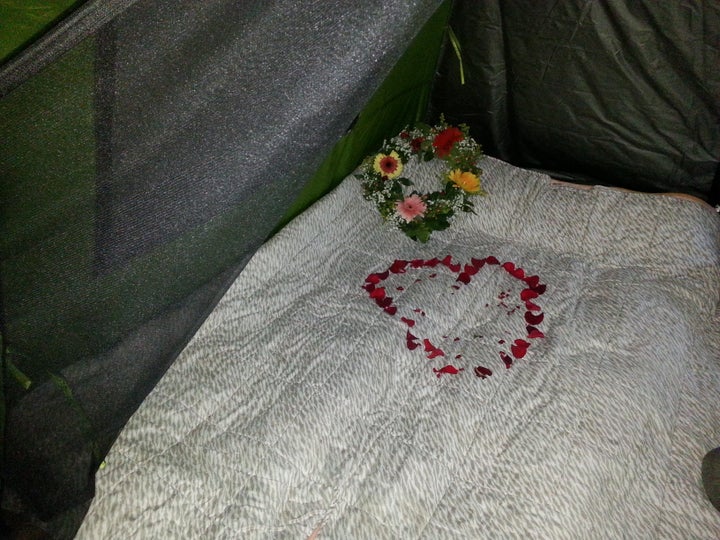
(545, 368)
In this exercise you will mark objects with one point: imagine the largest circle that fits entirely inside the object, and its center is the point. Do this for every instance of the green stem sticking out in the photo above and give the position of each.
(458, 52)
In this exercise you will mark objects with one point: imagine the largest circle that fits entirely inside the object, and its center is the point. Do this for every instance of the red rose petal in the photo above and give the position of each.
(432, 263)
(533, 319)
(532, 307)
(384, 302)
(447, 261)
(528, 294)
(506, 359)
(491, 260)
(519, 348)
(378, 293)
(471, 269)
(478, 263)
(482, 372)
(409, 322)
(390, 310)
(412, 341)
(540, 289)
(369, 287)
(464, 278)
(447, 370)
(534, 333)
(509, 267)
(398, 267)
(432, 349)
(417, 263)
(373, 278)
(518, 273)
(532, 281)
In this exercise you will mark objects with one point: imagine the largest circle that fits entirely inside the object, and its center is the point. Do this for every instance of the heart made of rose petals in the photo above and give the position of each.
(514, 349)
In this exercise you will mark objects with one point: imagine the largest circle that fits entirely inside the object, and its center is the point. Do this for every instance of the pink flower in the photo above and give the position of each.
(412, 207)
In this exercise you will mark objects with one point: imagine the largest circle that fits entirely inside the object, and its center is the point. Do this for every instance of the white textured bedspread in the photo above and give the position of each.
(557, 376)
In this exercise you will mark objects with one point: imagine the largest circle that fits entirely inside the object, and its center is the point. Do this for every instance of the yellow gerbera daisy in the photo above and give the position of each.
(388, 164)
(465, 180)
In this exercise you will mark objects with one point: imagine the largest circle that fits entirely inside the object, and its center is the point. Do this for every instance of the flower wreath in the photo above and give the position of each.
(419, 214)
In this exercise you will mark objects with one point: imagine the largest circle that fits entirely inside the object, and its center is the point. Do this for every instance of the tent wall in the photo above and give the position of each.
(620, 93)
(116, 241)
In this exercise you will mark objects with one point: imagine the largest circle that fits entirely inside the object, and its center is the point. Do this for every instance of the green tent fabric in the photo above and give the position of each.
(149, 149)
(618, 93)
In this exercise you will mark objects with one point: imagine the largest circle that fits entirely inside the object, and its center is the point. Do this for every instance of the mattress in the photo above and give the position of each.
(547, 367)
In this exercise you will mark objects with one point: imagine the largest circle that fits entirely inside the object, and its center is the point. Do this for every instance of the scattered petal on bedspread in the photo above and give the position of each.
(483, 372)
(447, 370)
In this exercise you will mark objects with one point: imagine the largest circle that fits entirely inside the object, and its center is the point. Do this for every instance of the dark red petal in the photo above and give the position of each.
(470, 269)
(447, 261)
(506, 358)
(401, 289)
(373, 278)
(518, 273)
(378, 293)
(491, 260)
(478, 263)
(409, 322)
(532, 281)
(509, 267)
(540, 289)
(432, 263)
(517, 352)
(455, 267)
(432, 349)
(412, 341)
(398, 267)
(417, 263)
(390, 310)
(532, 307)
(482, 372)
(528, 294)
(384, 302)
(449, 370)
(533, 319)
(534, 332)
(464, 278)
(369, 287)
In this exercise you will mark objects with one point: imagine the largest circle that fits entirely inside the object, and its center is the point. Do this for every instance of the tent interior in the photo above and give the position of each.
(190, 273)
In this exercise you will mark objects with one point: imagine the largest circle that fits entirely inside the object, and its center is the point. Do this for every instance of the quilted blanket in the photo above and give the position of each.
(548, 367)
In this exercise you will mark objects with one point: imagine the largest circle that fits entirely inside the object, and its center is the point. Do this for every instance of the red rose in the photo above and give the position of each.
(416, 143)
(445, 140)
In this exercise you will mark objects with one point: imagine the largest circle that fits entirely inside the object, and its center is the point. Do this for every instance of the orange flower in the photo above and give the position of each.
(465, 180)
(388, 165)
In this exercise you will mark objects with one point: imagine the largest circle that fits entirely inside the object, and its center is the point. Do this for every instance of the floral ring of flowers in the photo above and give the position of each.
(419, 214)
